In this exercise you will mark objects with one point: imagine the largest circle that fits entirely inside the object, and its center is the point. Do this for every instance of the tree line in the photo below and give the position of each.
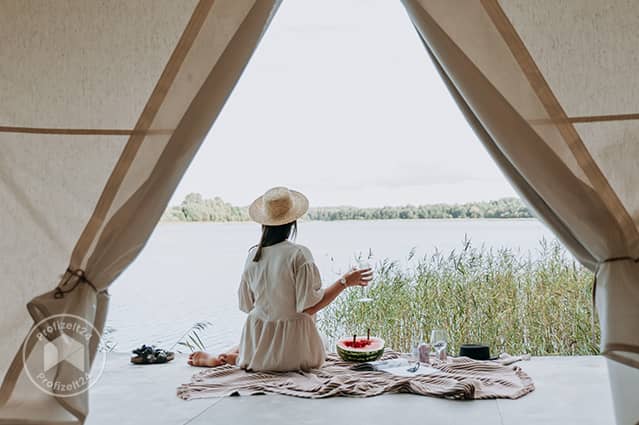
(195, 207)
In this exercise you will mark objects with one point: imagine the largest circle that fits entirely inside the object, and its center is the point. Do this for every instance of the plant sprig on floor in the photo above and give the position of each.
(191, 338)
(517, 304)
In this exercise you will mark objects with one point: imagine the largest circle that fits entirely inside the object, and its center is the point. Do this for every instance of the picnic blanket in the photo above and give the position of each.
(460, 378)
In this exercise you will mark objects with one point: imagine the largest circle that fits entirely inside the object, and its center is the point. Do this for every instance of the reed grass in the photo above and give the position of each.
(539, 304)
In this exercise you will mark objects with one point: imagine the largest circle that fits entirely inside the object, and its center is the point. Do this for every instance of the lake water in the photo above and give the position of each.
(189, 272)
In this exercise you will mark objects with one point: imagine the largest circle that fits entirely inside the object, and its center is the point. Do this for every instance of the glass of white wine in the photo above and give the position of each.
(364, 260)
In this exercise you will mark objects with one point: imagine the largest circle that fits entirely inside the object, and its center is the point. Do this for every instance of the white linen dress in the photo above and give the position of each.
(275, 291)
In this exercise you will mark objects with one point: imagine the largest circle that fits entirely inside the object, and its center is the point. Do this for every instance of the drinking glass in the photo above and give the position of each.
(364, 260)
(438, 340)
(413, 359)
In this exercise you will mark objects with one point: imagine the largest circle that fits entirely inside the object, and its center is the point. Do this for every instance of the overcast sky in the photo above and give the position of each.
(341, 101)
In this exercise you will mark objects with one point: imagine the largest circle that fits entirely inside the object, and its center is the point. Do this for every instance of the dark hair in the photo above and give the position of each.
(275, 234)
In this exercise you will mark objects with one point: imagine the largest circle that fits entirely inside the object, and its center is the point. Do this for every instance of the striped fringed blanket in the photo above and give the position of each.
(461, 378)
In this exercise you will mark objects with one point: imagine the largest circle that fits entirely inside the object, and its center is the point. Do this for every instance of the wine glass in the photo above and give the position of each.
(438, 340)
(364, 260)
(413, 354)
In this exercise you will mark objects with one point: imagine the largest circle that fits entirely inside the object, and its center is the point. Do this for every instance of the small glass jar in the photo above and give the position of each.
(423, 351)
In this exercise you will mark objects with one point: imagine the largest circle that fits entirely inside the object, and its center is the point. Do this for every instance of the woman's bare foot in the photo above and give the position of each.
(202, 359)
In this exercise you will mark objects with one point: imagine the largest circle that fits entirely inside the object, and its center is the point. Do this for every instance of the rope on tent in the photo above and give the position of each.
(81, 278)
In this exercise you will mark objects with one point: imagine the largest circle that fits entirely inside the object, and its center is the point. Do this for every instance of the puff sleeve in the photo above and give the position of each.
(245, 295)
(308, 282)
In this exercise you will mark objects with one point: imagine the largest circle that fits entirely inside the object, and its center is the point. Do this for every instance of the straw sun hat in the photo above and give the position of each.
(277, 206)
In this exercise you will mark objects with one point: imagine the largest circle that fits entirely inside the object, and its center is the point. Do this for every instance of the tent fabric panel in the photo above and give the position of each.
(617, 303)
(611, 144)
(194, 125)
(48, 185)
(591, 63)
(559, 119)
(482, 31)
(143, 123)
(555, 183)
(220, 24)
(472, 28)
(581, 216)
(577, 205)
(153, 167)
(529, 195)
(625, 311)
(107, 56)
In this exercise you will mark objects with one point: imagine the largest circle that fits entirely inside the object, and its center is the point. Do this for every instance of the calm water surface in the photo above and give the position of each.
(189, 272)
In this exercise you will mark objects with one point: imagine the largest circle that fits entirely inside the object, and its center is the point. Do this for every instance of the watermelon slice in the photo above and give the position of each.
(360, 349)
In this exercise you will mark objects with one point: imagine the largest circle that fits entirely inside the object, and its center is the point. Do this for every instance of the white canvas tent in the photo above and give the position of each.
(105, 104)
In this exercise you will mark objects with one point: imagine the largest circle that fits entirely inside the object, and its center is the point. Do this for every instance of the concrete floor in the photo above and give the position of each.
(569, 390)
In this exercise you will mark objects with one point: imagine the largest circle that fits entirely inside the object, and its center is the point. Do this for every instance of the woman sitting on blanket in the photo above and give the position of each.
(281, 291)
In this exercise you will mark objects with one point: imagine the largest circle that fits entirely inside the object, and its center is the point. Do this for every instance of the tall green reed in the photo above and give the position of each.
(516, 303)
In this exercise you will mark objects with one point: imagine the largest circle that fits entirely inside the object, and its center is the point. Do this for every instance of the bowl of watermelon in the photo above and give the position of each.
(360, 349)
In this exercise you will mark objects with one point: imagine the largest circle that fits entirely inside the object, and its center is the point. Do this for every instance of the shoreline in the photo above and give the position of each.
(391, 220)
